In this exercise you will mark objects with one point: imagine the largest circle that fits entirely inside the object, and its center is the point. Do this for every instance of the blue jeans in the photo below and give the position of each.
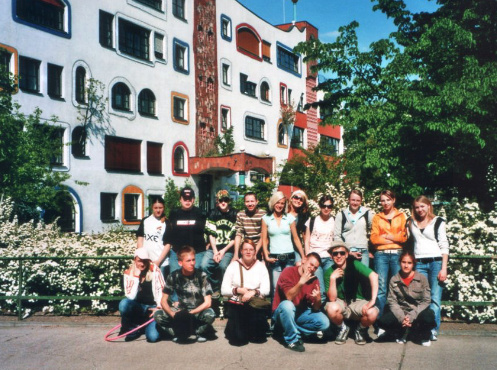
(386, 265)
(296, 322)
(364, 255)
(215, 271)
(326, 263)
(275, 270)
(134, 314)
(431, 270)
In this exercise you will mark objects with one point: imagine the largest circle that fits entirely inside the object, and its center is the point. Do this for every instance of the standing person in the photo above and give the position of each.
(388, 232)
(187, 228)
(248, 224)
(352, 225)
(352, 289)
(194, 314)
(150, 234)
(298, 207)
(143, 284)
(431, 249)
(278, 231)
(409, 311)
(297, 303)
(220, 227)
(244, 279)
(318, 238)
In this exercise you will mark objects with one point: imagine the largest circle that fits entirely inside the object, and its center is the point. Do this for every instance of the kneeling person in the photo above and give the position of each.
(348, 282)
(297, 301)
(193, 314)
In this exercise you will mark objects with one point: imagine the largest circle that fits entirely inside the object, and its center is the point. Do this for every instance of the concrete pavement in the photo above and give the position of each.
(51, 346)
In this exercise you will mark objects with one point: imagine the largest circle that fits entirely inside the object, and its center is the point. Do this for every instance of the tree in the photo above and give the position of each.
(27, 152)
(418, 109)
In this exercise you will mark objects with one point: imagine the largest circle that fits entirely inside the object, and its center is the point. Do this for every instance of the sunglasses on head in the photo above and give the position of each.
(338, 253)
(298, 198)
(329, 206)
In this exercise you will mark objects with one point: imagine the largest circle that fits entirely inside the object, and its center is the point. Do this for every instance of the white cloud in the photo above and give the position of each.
(329, 35)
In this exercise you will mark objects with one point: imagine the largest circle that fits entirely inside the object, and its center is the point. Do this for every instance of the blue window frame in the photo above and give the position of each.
(181, 56)
(288, 60)
(49, 16)
(226, 28)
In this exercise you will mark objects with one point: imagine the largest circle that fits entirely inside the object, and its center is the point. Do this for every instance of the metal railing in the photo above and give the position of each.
(19, 297)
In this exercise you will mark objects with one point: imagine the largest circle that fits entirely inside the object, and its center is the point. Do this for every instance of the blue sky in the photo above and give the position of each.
(329, 15)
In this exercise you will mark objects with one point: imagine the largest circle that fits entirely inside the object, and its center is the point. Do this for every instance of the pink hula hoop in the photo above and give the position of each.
(109, 333)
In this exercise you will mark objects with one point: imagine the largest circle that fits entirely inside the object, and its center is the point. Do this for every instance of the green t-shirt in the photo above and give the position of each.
(354, 285)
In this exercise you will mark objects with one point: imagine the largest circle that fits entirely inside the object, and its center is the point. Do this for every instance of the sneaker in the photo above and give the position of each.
(319, 334)
(401, 340)
(342, 335)
(131, 337)
(360, 335)
(380, 332)
(201, 339)
(426, 343)
(297, 346)
(433, 336)
(175, 339)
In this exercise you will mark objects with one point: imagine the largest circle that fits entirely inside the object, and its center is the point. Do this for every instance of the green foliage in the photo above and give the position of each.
(171, 196)
(225, 144)
(27, 150)
(420, 118)
(312, 170)
(262, 189)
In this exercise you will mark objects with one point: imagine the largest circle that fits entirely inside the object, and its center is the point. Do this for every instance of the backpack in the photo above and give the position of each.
(409, 244)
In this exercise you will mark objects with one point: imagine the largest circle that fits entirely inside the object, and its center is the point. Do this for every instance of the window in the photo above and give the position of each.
(48, 15)
(266, 51)
(154, 158)
(120, 96)
(80, 85)
(122, 154)
(106, 29)
(287, 60)
(63, 209)
(282, 135)
(179, 160)
(225, 27)
(5, 57)
(146, 103)
(108, 206)
(290, 96)
(297, 137)
(131, 204)
(300, 106)
(265, 91)
(254, 128)
(133, 40)
(248, 41)
(225, 118)
(226, 75)
(54, 81)
(179, 108)
(55, 134)
(29, 75)
(78, 142)
(283, 94)
(247, 87)
(180, 56)
(329, 145)
(159, 46)
(155, 4)
(179, 9)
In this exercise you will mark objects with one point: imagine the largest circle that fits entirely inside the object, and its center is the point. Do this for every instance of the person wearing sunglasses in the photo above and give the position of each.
(319, 236)
(220, 227)
(351, 288)
(298, 207)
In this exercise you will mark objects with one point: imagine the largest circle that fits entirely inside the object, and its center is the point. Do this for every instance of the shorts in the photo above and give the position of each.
(353, 311)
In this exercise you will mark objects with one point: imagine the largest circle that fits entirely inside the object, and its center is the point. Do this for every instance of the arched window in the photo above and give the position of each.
(63, 208)
(179, 160)
(146, 102)
(265, 91)
(248, 42)
(282, 135)
(80, 85)
(120, 96)
(78, 142)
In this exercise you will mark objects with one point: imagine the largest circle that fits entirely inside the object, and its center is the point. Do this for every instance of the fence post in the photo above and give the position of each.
(19, 293)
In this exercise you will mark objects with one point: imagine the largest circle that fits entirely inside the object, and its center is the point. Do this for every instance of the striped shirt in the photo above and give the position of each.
(249, 226)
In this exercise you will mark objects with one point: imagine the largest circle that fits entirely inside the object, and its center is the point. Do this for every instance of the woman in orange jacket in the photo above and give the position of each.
(388, 233)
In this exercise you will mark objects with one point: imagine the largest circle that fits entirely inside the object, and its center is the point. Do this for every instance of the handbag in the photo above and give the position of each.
(257, 303)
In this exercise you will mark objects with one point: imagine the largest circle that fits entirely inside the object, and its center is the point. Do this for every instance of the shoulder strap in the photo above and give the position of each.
(438, 222)
(311, 223)
(241, 275)
(366, 215)
(344, 220)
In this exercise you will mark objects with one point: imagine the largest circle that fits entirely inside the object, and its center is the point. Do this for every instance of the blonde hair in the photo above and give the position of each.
(148, 271)
(305, 204)
(275, 198)
(423, 199)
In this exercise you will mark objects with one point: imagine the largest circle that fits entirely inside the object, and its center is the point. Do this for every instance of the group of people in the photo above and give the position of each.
(304, 273)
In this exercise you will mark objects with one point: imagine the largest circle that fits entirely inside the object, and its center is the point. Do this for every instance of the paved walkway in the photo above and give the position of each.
(63, 345)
